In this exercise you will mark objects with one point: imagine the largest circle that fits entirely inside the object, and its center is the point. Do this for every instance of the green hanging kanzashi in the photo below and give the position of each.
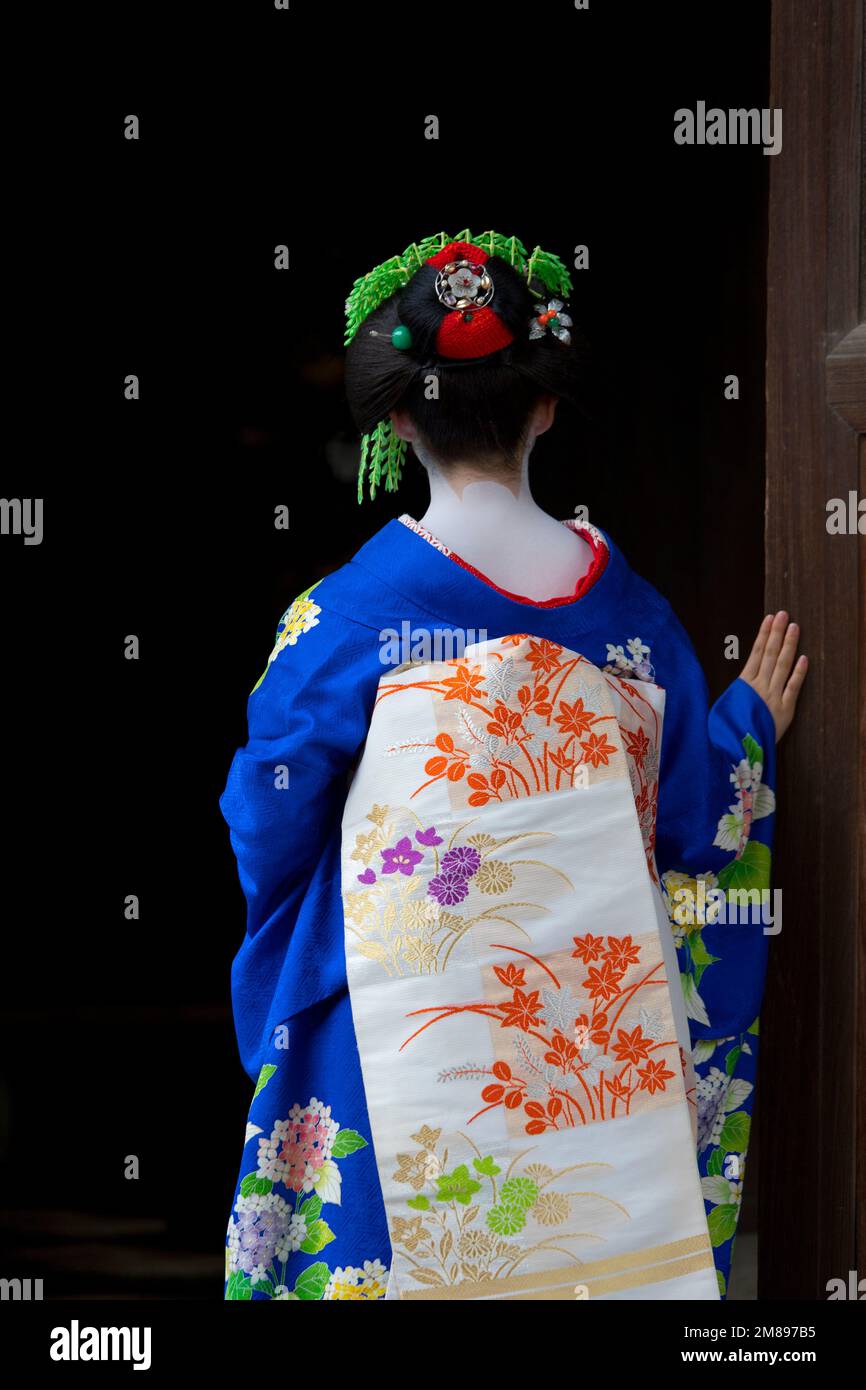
(383, 454)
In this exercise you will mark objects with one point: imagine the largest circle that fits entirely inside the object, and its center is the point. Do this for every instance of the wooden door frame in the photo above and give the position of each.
(812, 1199)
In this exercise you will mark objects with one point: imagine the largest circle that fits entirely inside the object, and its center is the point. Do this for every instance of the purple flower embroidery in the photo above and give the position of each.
(401, 859)
(463, 860)
(448, 888)
(368, 876)
(428, 837)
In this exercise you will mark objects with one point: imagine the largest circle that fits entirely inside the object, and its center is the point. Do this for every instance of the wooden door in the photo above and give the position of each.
(812, 1130)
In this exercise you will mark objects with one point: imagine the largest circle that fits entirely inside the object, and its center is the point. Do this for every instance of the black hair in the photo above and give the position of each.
(483, 408)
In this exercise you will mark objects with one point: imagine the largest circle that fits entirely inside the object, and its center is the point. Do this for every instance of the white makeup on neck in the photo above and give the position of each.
(499, 529)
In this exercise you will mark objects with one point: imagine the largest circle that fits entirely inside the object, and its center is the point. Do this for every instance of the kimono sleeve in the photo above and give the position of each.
(713, 845)
(283, 802)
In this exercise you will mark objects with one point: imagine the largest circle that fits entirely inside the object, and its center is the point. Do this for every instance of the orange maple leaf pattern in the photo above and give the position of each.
(569, 1065)
(532, 717)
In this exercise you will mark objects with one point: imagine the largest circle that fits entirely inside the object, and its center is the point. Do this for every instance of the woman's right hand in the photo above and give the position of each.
(769, 668)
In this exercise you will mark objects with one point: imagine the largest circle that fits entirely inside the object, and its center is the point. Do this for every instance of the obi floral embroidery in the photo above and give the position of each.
(299, 617)
(530, 718)
(583, 1035)
(466, 1209)
(421, 894)
(639, 726)
(279, 1208)
(493, 995)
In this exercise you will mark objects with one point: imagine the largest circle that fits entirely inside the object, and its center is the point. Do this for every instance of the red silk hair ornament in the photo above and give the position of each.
(472, 333)
(472, 330)
(458, 251)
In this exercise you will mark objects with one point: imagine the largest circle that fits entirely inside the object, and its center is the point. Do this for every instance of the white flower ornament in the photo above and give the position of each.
(550, 319)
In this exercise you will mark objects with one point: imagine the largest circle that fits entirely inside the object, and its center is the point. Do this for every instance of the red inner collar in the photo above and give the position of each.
(600, 557)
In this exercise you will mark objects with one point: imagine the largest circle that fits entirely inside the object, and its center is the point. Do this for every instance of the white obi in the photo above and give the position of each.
(514, 984)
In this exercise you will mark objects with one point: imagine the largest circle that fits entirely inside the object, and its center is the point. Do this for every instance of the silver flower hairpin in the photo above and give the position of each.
(551, 320)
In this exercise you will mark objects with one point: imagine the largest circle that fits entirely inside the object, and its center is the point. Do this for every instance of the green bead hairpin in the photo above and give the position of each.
(383, 452)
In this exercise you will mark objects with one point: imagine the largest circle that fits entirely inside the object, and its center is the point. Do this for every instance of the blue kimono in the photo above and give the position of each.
(308, 1221)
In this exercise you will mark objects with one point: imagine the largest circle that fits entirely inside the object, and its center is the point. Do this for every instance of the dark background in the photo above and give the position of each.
(307, 129)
